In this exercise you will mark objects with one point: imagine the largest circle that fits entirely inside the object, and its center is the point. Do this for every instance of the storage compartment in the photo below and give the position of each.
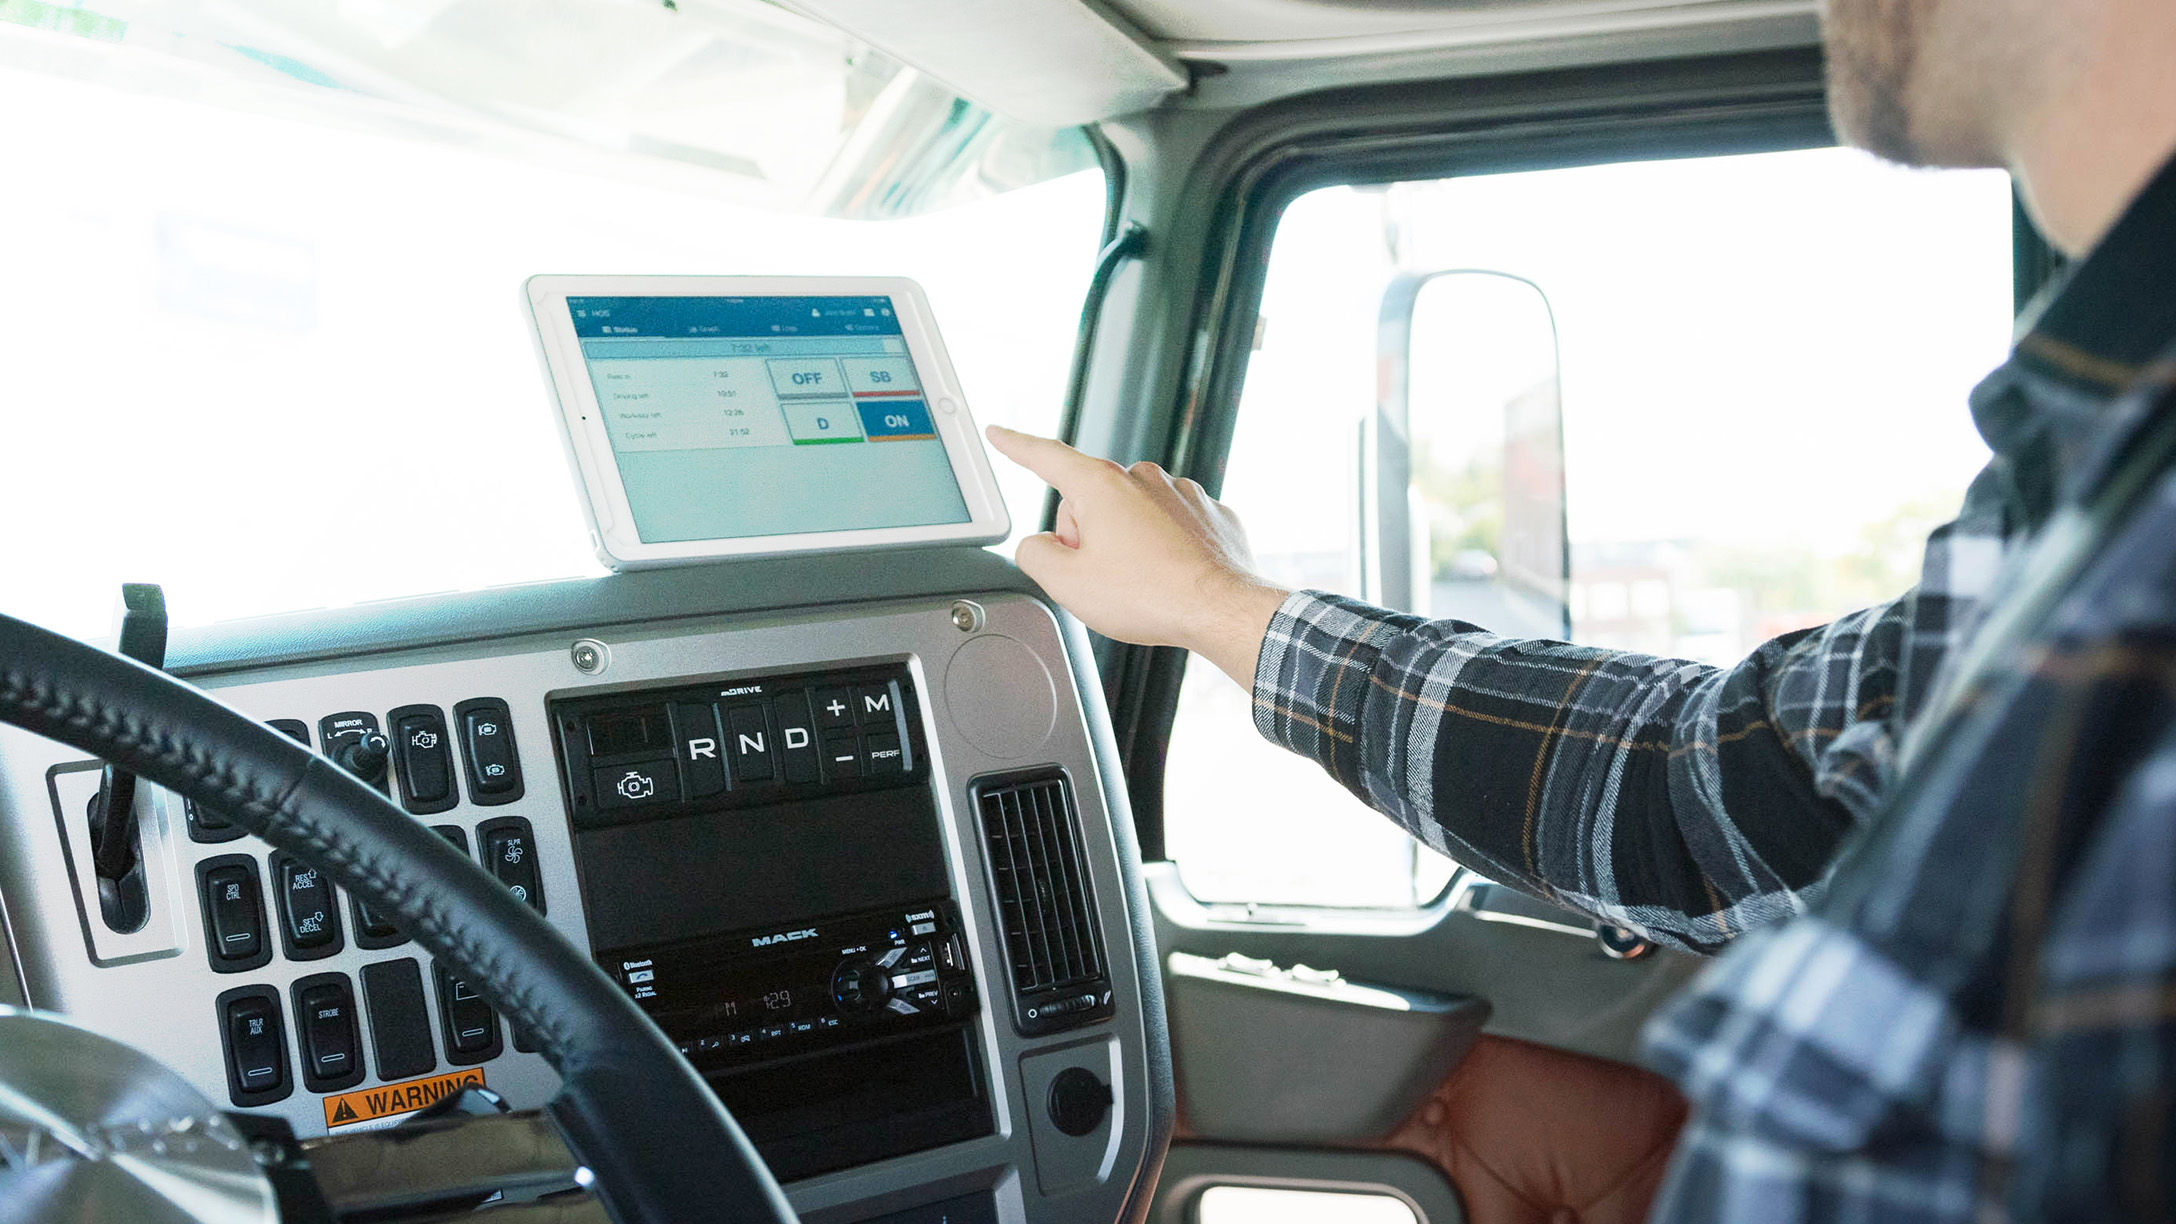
(1301, 1055)
(886, 1098)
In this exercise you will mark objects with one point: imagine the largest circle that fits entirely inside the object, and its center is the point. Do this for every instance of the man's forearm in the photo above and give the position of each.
(1604, 780)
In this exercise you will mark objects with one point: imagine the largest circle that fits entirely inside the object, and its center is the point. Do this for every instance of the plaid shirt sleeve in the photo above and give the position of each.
(1603, 780)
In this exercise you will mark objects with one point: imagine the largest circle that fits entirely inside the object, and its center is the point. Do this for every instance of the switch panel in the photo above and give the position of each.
(327, 1034)
(487, 746)
(235, 938)
(423, 749)
(252, 1035)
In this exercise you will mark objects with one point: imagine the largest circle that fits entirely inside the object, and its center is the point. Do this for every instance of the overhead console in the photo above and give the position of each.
(860, 861)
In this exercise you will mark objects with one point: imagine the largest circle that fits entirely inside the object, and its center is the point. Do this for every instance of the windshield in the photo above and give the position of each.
(264, 342)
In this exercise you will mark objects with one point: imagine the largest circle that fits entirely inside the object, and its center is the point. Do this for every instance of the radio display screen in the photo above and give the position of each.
(734, 417)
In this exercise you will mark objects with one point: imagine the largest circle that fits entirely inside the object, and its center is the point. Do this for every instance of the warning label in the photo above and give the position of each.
(370, 1104)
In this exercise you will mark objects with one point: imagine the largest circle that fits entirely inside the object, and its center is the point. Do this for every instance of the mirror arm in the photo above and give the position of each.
(1387, 455)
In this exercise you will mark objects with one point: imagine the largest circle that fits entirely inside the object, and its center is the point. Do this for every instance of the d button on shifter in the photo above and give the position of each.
(796, 737)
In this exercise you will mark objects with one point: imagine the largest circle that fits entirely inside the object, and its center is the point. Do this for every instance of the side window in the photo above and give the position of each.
(1762, 363)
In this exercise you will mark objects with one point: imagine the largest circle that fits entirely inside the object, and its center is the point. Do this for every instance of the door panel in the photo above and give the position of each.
(1545, 985)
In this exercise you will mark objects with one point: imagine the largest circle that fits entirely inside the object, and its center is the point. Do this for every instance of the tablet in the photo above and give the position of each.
(723, 416)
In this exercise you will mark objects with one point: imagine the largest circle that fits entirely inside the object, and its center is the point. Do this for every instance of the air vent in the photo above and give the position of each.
(1039, 885)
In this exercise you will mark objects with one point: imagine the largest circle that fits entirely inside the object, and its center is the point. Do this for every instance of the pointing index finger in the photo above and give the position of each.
(1061, 467)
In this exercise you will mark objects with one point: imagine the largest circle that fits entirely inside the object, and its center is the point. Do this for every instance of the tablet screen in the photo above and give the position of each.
(733, 417)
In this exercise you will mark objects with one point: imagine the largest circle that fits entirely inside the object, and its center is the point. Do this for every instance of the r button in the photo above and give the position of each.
(702, 749)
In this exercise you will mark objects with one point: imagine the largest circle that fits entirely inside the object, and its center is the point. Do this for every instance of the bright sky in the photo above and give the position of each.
(275, 365)
(1764, 347)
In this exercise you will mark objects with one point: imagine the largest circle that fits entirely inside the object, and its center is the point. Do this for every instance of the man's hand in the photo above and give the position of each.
(1144, 558)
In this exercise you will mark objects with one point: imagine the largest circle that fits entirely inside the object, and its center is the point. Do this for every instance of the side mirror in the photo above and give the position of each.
(1463, 460)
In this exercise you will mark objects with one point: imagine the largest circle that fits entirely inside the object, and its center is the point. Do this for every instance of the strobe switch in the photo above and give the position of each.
(331, 1038)
(860, 985)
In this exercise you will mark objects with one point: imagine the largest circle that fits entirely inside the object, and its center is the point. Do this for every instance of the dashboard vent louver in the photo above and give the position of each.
(1040, 891)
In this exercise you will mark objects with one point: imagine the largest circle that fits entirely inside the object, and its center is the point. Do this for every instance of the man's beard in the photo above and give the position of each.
(1872, 47)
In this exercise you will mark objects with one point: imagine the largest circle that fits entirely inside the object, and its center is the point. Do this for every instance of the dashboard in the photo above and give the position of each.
(845, 828)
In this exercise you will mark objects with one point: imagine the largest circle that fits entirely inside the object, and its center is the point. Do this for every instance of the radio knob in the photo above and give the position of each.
(860, 985)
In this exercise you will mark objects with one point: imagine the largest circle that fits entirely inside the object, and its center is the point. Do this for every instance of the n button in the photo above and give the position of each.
(751, 736)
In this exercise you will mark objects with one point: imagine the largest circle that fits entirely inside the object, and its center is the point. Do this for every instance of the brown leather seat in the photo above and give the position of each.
(1533, 1135)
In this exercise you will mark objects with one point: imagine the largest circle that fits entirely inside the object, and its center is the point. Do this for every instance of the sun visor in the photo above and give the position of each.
(1051, 62)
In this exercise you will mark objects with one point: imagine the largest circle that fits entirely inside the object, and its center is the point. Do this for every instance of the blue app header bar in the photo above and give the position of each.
(680, 317)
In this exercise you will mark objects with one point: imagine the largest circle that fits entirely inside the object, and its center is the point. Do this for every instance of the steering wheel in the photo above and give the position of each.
(661, 1147)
